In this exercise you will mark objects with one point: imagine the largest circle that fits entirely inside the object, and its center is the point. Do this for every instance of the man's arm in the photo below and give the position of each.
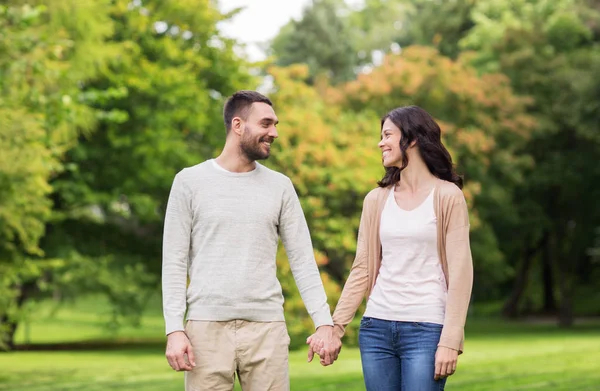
(295, 236)
(176, 244)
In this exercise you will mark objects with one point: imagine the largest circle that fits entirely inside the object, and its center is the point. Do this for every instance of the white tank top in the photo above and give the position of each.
(411, 286)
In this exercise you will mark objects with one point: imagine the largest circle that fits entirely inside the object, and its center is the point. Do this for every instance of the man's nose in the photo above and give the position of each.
(273, 132)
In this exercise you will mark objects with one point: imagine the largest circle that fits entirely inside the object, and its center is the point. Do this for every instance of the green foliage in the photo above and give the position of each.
(550, 51)
(320, 39)
(378, 24)
(159, 109)
(317, 148)
(40, 66)
(103, 102)
(483, 123)
(440, 24)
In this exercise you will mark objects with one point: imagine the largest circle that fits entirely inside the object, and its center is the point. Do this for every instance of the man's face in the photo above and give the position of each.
(259, 131)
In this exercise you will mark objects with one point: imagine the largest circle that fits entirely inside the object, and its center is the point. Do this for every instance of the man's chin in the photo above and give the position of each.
(264, 157)
(265, 153)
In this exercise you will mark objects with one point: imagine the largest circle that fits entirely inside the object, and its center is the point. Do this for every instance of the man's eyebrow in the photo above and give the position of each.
(269, 120)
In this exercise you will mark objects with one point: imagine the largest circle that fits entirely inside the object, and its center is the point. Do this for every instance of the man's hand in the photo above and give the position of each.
(324, 343)
(179, 352)
(445, 362)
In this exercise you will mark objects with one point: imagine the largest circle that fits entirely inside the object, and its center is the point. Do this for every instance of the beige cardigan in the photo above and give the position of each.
(453, 249)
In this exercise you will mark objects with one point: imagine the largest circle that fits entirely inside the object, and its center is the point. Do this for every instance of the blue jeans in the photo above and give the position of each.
(399, 356)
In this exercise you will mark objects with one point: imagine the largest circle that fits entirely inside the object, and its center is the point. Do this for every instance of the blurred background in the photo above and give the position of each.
(102, 102)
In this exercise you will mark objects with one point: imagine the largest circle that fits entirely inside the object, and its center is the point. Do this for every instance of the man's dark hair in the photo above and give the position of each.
(238, 105)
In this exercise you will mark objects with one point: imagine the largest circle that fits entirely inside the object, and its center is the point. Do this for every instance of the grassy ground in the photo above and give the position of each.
(498, 356)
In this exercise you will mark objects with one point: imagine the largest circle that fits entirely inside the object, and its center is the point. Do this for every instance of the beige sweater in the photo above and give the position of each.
(453, 249)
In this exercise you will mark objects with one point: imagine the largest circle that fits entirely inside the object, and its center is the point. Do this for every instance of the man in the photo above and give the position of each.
(223, 222)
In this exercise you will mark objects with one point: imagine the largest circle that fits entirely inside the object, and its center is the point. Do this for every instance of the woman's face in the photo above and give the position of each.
(390, 144)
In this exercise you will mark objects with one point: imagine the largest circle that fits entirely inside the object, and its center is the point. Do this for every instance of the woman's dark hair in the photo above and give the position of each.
(416, 124)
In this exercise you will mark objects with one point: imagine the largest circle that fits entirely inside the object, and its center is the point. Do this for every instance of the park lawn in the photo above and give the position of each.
(498, 356)
(507, 361)
(86, 319)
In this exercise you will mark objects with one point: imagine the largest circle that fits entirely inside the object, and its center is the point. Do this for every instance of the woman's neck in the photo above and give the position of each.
(416, 176)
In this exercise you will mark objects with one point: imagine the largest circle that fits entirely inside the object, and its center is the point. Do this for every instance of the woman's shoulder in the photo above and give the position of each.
(375, 194)
(374, 198)
(449, 190)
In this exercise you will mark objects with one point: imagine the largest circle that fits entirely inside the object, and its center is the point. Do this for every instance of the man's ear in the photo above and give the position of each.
(237, 125)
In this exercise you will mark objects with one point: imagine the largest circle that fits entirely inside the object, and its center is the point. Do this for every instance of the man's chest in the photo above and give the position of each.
(237, 207)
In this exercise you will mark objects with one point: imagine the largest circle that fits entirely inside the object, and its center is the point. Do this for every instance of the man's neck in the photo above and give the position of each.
(233, 161)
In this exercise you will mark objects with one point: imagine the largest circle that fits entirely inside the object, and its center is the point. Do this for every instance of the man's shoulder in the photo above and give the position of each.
(190, 174)
(275, 176)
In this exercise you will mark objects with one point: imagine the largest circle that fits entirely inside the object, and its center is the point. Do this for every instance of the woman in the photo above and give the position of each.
(413, 262)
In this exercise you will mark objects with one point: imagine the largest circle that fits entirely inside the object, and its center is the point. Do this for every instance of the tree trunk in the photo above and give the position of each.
(565, 313)
(565, 310)
(548, 281)
(8, 335)
(511, 307)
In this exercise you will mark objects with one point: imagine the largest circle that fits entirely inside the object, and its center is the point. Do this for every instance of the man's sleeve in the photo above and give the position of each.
(298, 246)
(176, 245)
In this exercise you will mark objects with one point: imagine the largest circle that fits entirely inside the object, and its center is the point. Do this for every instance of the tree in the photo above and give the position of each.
(44, 55)
(317, 148)
(384, 26)
(321, 39)
(379, 25)
(484, 125)
(550, 52)
(159, 105)
(136, 96)
(440, 24)
(328, 146)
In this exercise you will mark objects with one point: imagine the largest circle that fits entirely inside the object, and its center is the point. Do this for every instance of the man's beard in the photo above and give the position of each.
(252, 149)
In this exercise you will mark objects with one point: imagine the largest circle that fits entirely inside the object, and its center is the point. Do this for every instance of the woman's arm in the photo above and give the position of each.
(460, 274)
(356, 285)
(354, 290)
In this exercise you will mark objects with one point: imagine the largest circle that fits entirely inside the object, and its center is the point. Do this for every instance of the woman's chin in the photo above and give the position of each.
(390, 163)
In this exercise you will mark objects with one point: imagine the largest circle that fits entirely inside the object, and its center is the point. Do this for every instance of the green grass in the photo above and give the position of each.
(86, 319)
(498, 356)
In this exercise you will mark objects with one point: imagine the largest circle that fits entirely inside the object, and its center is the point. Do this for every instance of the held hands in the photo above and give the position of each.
(445, 362)
(324, 343)
(179, 352)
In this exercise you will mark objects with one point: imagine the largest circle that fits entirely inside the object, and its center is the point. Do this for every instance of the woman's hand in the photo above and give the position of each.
(326, 344)
(445, 362)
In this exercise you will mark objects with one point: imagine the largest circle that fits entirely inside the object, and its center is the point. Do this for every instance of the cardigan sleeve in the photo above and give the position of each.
(356, 285)
(460, 273)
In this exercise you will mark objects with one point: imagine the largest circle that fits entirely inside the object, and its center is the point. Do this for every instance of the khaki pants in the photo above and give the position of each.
(256, 351)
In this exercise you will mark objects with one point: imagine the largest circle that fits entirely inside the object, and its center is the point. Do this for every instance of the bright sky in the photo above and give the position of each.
(260, 21)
